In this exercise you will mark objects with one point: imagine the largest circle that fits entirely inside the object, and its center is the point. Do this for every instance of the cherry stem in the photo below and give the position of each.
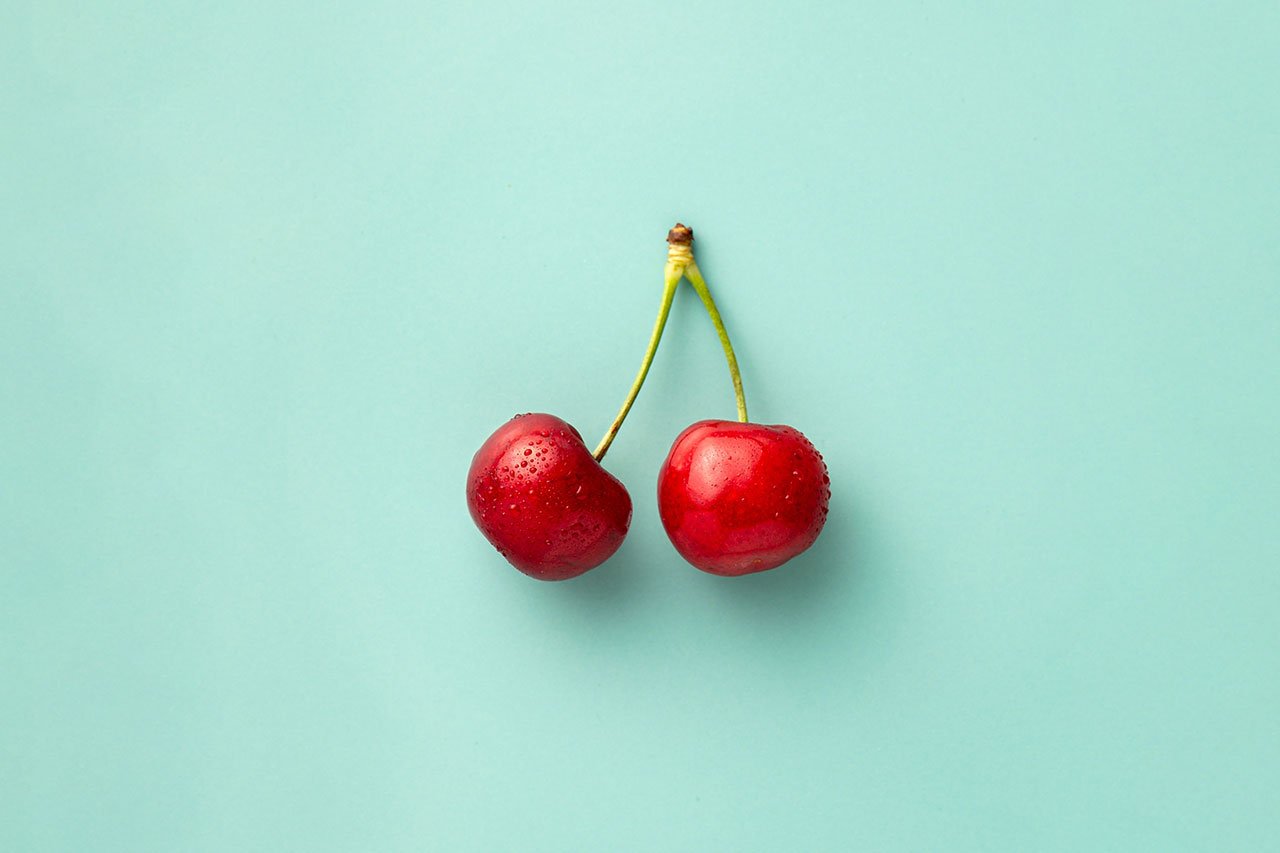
(680, 264)
(673, 274)
(694, 275)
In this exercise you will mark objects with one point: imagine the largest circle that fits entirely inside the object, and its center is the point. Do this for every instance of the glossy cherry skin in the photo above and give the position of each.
(543, 501)
(739, 498)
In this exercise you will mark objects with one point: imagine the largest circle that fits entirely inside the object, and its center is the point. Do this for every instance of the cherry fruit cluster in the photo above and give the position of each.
(735, 497)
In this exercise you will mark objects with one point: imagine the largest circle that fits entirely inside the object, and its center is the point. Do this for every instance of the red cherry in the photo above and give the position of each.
(737, 498)
(541, 499)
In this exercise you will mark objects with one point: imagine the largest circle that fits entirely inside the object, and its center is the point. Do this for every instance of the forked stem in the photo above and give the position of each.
(680, 264)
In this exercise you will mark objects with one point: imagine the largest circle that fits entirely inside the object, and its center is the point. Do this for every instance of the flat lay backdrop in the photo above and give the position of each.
(270, 273)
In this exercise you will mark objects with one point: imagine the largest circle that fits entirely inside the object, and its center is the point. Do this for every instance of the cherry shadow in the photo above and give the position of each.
(815, 594)
(614, 584)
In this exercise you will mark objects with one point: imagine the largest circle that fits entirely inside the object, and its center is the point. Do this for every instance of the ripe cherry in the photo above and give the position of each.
(542, 499)
(737, 498)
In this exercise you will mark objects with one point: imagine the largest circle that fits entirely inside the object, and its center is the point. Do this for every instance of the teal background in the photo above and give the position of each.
(271, 272)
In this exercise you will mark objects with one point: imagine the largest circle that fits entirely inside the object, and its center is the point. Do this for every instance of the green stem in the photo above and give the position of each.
(694, 275)
(673, 274)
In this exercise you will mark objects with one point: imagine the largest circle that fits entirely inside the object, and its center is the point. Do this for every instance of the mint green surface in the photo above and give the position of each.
(270, 273)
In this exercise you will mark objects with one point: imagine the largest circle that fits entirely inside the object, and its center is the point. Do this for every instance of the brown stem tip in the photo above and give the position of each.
(681, 234)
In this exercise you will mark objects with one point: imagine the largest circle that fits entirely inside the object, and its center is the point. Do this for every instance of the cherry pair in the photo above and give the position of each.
(734, 497)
